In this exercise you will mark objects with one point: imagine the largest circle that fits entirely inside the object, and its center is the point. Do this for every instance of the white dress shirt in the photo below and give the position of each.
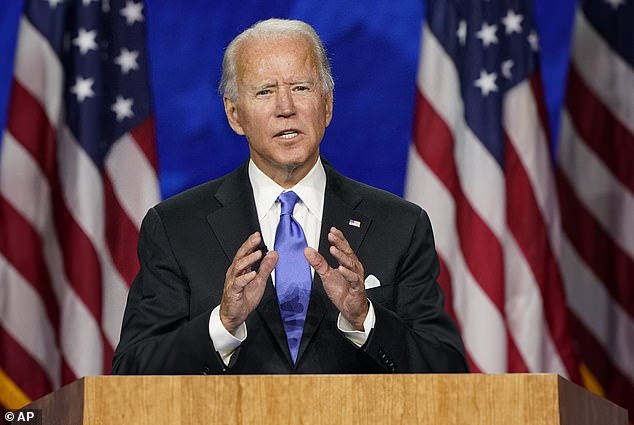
(308, 213)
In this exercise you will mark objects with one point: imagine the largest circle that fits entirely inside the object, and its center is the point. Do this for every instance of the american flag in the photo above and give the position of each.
(481, 165)
(595, 179)
(535, 242)
(77, 174)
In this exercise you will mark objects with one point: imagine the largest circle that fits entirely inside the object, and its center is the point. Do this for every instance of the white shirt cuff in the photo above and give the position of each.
(358, 338)
(224, 342)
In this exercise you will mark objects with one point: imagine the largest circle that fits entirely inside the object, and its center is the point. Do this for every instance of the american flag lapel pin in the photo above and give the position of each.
(354, 223)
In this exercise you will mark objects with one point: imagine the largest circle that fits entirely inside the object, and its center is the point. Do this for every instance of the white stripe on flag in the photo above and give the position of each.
(599, 68)
(31, 328)
(133, 177)
(38, 69)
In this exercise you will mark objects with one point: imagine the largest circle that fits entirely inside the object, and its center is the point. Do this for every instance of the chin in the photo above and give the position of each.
(297, 159)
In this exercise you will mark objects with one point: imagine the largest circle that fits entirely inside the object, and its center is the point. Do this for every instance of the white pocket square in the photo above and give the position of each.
(371, 282)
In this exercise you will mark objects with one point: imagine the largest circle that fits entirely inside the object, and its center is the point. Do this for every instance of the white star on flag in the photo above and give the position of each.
(487, 34)
(507, 65)
(85, 40)
(53, 3)
(462, 32)
(533, 40)
(512, 22)
(123, 108)
(133, 12)
(127, 60)
(83, 88)
(486, 82)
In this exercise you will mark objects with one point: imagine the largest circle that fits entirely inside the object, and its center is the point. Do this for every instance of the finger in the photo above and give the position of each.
(350, 261)
(342, 258)
(337, 238)
(316, 260)
(350, 276)
(241, 281)
(244, 264)
(249, 245)
(267, 265)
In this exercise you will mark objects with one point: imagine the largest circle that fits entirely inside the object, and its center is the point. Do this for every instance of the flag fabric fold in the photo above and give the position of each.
(78, 171)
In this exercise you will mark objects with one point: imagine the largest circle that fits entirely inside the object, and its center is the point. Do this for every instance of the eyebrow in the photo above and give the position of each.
(292, 83)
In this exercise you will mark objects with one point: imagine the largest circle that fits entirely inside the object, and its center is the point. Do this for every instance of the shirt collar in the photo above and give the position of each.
(310, 189)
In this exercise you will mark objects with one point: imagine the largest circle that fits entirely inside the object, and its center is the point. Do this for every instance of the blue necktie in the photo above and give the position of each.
(292, 273)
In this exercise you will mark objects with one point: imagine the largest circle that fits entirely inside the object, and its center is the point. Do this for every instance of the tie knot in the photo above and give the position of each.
(288, 201)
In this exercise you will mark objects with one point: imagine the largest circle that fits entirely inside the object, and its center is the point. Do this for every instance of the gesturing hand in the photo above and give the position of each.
(344, 285)
(244, 287)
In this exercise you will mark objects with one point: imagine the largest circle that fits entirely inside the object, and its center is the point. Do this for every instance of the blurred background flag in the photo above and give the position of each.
(77, 174)
(480, 164)
(536, 249)
(595, 178)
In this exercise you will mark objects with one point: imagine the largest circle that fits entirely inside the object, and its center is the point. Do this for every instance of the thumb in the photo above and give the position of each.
(316, 260)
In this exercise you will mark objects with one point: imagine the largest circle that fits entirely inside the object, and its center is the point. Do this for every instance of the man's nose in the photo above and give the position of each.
(285, 103)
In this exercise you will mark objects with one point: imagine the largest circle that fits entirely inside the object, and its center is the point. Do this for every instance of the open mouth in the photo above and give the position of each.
(287, 134)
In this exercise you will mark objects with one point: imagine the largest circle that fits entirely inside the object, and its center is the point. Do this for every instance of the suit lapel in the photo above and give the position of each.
(340, 211)
(236, 218)
(232, 223)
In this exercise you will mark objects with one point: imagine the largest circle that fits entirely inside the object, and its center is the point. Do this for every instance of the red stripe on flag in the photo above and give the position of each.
(515, 360)
(22, 246)
(67, 374)
(526, 223)
(483, 254)
(23, 369)
(81, 262)
(108, 354)
(29, 125)
(121, 234)
(145, 136)
(444, 280)
(601, 130)
(606, 259)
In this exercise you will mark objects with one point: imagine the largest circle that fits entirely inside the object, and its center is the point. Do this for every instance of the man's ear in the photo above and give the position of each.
(329, 107)
(231, 110)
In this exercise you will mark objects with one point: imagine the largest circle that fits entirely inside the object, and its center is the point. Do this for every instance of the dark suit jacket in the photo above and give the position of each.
(187, 243)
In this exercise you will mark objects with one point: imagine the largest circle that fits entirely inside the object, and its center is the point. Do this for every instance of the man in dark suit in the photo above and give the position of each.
(230, 279)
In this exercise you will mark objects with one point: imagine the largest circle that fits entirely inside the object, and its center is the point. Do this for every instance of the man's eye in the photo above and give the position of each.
(263, 92)
(300, 88)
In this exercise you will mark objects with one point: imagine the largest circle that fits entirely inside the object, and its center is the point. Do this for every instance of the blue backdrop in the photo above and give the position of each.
(373, 46)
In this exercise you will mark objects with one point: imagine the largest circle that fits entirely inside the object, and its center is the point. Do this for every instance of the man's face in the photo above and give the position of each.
(281, 107)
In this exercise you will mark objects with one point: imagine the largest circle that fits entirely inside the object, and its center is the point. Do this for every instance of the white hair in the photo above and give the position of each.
(272, 28)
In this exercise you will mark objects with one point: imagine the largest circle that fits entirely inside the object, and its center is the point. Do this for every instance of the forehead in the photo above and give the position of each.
(281, 55)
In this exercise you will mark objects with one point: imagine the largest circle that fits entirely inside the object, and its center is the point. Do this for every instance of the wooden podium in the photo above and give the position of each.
(327, 399)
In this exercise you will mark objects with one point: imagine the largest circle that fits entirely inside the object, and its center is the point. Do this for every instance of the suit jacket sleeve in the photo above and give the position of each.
(412, 332)
(159, 333)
